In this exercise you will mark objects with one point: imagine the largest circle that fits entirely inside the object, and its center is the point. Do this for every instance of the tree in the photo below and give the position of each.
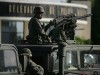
(82, 41)
(95, 27)
(69, 1)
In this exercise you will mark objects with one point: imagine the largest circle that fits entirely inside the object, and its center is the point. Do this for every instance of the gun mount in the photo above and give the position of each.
(69, 23)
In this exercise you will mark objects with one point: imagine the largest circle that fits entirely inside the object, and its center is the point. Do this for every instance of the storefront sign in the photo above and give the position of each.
(25, 10)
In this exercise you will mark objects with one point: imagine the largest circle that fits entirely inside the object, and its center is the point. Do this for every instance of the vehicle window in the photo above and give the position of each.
(55, 60)
(8, 61)
(70, 62)
(91, 60)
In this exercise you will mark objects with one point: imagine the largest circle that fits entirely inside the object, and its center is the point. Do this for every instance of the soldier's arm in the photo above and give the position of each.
(48, 26)
(36, 68)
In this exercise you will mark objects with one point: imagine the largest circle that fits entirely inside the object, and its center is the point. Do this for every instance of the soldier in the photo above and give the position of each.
(36, 31)
(32, 68)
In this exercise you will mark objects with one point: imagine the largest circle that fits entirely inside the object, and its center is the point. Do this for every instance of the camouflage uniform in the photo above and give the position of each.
(36, 30)
(32, 68)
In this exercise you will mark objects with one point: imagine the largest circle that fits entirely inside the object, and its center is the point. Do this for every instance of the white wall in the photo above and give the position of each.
(0, 31)
(86, 33)
(33, 1)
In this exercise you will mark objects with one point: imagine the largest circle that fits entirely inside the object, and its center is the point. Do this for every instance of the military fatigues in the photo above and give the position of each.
(35, 30)
(34, 69)
(31, 68)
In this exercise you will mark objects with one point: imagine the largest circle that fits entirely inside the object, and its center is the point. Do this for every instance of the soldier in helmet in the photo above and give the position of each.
(36, 31)
(32, 68)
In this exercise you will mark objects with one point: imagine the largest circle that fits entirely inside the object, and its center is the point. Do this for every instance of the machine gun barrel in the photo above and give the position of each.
(84, 16)
(66, 19)
(70, 16)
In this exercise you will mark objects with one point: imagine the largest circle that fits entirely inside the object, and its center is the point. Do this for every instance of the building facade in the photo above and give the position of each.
(15, 15)
(86, 34)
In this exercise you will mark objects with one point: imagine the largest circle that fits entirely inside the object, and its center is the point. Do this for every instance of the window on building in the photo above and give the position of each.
(11, 31)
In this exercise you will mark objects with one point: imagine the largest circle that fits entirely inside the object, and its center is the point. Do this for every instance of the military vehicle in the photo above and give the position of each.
(57, 59)
(64, 59)
(61, 58)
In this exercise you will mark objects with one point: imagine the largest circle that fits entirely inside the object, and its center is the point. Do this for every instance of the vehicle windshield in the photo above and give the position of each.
(8, 61)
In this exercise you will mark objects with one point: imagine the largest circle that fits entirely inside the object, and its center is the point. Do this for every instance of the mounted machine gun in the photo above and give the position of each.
(69, 23)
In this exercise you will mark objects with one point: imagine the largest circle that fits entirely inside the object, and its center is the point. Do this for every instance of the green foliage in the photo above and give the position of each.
(82, 41)
(95, 23)
(93, 3)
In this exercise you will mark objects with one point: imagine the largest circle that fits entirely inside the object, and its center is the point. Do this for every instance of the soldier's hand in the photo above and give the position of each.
(51, 23)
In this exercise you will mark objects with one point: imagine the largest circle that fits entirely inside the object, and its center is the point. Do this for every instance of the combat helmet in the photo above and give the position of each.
(38, 9)
(26, 51)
